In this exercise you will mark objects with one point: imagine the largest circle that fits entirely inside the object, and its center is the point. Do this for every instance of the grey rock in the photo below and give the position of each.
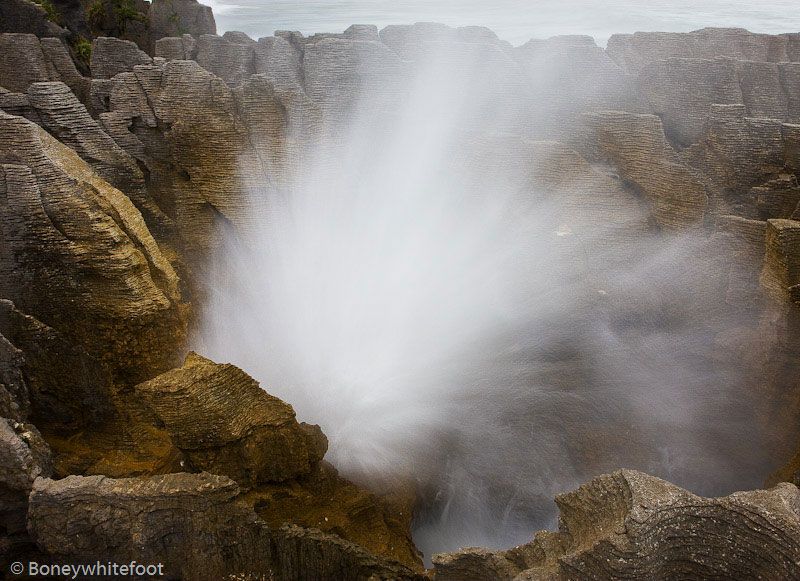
(634, 51)
(24, 457)
(178, 17)
(111, 56)
(193, 524)
(24, 16)
(14, 399)
(231, 61)
(636, 146)
(631, 525)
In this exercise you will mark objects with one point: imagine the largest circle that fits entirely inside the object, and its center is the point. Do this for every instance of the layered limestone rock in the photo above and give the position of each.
(634, 51)
(25, 16)
(24, 457)
(324, 500)
(210, 152)
(78, 256)
(636, 146)
(111, 56)
(631, 525)
(177, 17)
(26, 59)
(176, 48)
(64, 387)
(59, 112)
(14, 399)
(737, 153)
(682, 90)
(226, 424)
(574, 66)
(88, 518)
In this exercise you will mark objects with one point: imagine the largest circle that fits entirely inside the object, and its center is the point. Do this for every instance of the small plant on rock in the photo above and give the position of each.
(52, 13)
(83, 50)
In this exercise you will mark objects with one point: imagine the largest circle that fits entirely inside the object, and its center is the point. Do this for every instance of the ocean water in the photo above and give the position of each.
(516, 21)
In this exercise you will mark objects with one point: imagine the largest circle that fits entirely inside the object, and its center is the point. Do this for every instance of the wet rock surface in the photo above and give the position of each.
(116, 187)
(193, 524)
(226, 424)
(631, 525)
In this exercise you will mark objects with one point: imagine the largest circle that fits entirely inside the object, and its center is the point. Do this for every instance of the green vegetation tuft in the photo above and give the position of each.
(83, 50)
(96, 13)
(52, 13)
(126, 12)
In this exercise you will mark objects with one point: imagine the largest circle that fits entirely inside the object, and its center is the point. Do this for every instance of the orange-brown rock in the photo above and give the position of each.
(324, 500)
(78, 256)
(195, 524)
(226, 424)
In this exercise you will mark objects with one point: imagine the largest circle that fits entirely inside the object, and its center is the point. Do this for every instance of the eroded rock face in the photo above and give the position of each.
(111, 56)
(78, 256)
(226, 424)
(58, 383)
(634, 51)
(636, 146)
(26, 59)
(193, 524)
(62, 115)
(631, 525)
(28, 17)
(177, 17)
(324, 500)
(24, 457)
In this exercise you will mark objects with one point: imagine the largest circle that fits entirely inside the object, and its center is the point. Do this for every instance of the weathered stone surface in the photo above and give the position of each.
(111, 56)
(569, 75)
(78, 256)
(683, 90)
(22, 62)
(62, 68)
(60, 113)
(177, 17)
(735, 154)
(743, 242)
(344, 77)
(66, 387)
(24, 16)
(781, 274)
(634, 51)
(191, 523)
(205, 168)
(231, 61)
(14, 400)
(26, 59)
(24, 457)
(226, 424)
(176, 48)
(634, 526)
(324, 500)
(276, 58)
(636, 146)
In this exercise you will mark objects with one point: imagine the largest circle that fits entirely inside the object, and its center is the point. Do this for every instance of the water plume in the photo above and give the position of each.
(458, 305)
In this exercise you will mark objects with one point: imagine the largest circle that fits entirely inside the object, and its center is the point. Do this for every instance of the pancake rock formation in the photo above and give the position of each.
(123, 172)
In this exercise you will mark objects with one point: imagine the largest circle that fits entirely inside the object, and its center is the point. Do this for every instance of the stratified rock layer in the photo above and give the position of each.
(629, 525)
(192, 524)
(226, 424)
(78, 256)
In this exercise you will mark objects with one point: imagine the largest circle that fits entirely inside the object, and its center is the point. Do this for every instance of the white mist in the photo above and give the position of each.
(447, 319)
